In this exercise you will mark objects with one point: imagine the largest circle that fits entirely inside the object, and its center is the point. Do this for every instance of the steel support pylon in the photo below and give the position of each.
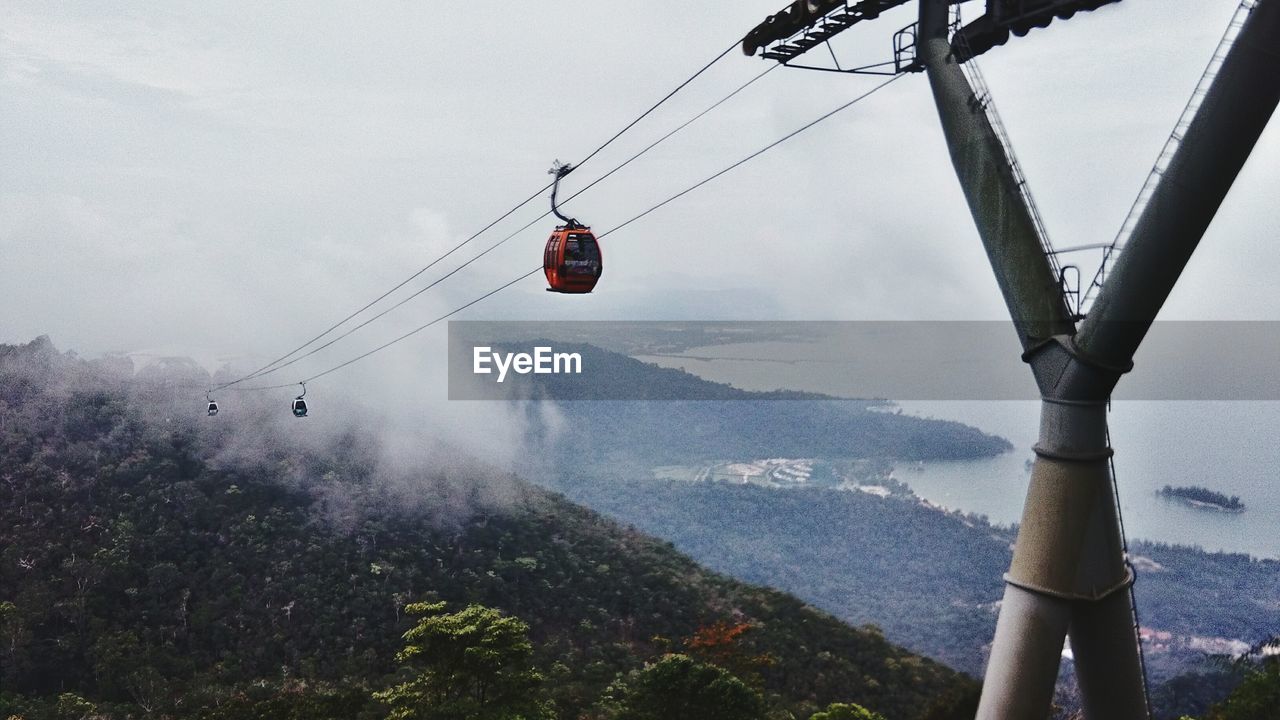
(1069, 574)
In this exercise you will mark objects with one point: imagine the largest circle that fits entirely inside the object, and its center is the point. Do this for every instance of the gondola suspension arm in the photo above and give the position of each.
(559, 170)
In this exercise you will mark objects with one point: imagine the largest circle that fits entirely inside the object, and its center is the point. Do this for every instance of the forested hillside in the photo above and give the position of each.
(930, 579)
(143, 573)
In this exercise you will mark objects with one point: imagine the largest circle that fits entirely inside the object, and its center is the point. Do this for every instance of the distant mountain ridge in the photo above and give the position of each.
(675, 416)
(609, 375)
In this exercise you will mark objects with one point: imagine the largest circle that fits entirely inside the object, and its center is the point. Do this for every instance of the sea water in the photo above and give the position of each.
(1227, 446)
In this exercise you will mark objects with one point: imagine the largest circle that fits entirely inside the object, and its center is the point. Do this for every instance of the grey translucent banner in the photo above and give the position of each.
(907, 360)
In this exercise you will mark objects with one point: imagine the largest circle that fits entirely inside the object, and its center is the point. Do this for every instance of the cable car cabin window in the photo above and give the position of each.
(581, 255)
(582, 247)
(553, 251)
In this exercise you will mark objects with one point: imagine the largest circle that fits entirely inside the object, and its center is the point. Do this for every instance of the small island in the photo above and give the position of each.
(1203, 498)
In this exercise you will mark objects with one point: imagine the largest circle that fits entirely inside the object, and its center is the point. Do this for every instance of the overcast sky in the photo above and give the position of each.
(226, 180)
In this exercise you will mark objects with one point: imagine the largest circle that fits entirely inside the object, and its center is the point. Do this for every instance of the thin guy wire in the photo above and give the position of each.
(1124, 544)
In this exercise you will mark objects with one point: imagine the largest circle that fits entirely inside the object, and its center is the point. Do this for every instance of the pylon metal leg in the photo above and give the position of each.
(1108, 664)
(1068, 570)
(1023, 668)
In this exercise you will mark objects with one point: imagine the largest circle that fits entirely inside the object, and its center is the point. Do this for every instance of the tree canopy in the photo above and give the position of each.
(474, 664)
(846, 711)
(678, 687)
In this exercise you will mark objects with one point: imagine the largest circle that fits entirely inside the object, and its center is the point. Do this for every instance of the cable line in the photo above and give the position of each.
(405, 336)
(508, 284)
(659, 141)
(649, 147)
(279, 365)
(266, 368)
(759, 152)
(1128, 561)
(658, 104)
(418, 292)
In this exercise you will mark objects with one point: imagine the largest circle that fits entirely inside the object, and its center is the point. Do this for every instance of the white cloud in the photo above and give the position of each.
(237, 179)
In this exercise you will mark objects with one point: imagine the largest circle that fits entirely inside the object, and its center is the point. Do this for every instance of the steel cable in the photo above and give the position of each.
(633, 219)
(269, 366)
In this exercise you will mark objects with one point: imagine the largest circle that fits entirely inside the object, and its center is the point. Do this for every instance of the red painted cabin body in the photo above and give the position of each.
(572, 260)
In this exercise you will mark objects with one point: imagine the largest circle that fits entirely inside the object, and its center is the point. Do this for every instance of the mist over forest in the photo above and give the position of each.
(158, 562)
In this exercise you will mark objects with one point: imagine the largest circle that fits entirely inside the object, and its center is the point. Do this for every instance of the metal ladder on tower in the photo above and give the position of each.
(986, 102)
(1171, 146)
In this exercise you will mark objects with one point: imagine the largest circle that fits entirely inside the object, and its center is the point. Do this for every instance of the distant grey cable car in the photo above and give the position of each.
(213, 405)
(299, 405)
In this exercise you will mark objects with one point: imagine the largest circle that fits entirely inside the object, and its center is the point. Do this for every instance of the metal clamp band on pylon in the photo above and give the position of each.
(1094, 596)
(1072, 455)
(1068, 343)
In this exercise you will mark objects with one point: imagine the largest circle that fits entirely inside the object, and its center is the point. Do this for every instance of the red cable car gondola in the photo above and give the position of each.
(572, 259)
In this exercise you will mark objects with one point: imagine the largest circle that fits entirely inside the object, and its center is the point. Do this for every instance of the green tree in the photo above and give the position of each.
(846, 711)
(677, 687)
(470, 665)
(1257, 698)
(73, 707)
